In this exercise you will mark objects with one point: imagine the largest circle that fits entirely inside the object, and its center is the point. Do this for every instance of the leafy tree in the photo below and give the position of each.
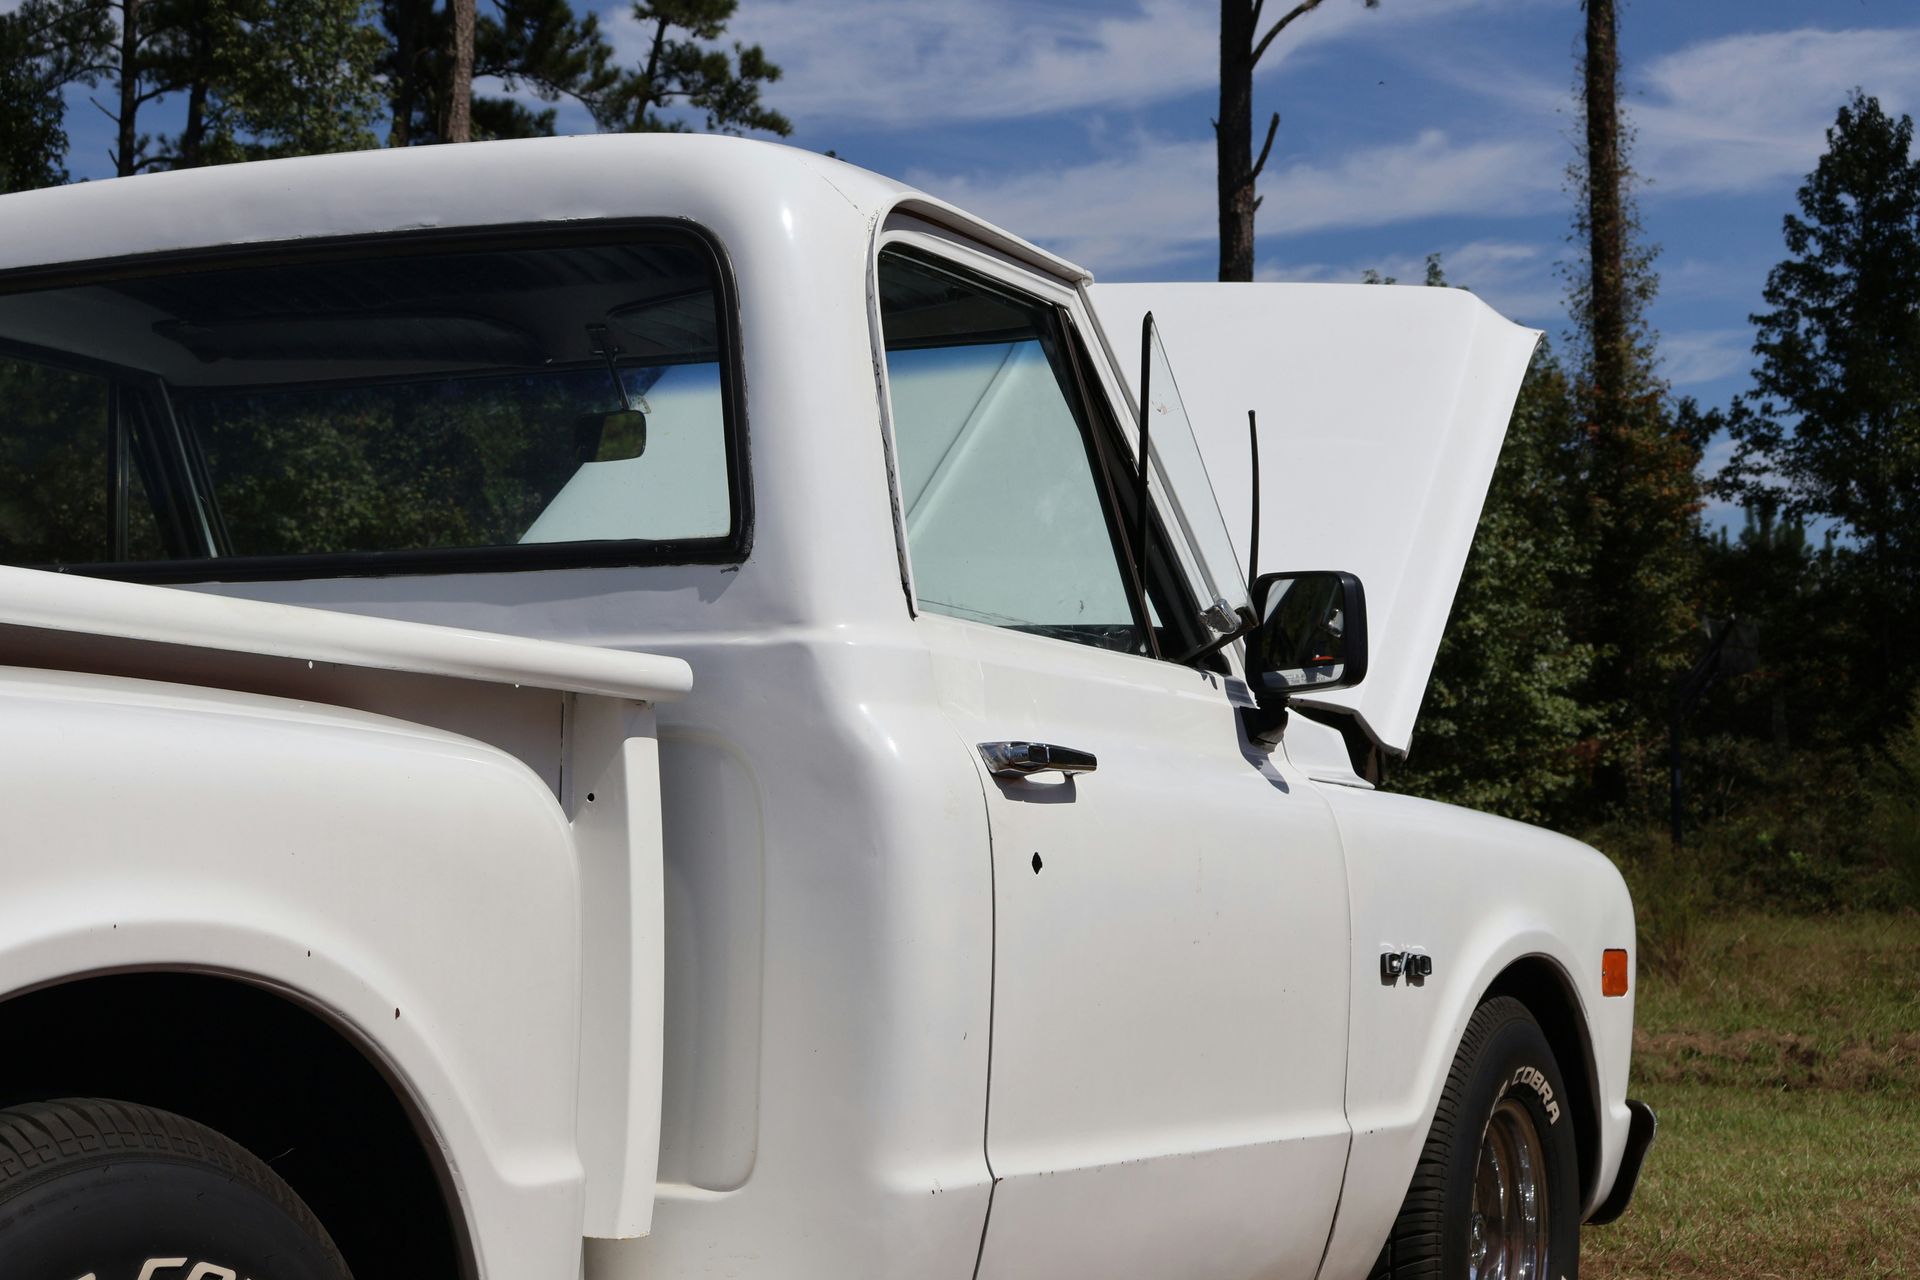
(259, 77)
(1832, 429)
(44, 46)
(266, 78)
(1242, 45)
(684, 71)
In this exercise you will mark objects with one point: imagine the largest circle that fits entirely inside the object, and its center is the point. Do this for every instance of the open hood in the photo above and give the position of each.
(1381, 414)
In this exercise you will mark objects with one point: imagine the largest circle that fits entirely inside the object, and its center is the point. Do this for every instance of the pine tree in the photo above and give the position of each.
(684, 71)
(1636, 491)
(1832, 429)
(543, 46)
(537, 45)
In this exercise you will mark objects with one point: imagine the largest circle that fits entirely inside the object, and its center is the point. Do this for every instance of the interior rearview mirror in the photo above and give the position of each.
(610, 437)
(1311, 635)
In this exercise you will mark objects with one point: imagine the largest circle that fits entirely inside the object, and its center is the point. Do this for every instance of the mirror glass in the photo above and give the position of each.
(1308, 637)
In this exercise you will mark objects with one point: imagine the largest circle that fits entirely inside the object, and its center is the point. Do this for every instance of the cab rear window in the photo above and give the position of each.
(515, 405)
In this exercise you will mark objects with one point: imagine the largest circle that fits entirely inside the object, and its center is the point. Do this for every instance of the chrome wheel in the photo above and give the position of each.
(1508, 1239)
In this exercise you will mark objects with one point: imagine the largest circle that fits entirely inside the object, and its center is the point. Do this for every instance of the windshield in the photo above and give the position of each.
(391, 405)
(1181, 479)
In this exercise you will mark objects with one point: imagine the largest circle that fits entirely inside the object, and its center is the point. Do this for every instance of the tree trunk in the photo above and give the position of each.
(125, 162)
(460, 99)
(1233, 140)
(649, 95)
(1606, 219)
(193, 138)
(402, 87)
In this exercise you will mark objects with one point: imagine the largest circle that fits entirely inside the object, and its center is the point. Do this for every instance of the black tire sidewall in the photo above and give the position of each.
(109, 1218)
(1515, 1062)
(116, 1190)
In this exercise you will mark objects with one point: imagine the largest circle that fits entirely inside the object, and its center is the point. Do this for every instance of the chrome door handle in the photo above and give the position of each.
(1018, 759)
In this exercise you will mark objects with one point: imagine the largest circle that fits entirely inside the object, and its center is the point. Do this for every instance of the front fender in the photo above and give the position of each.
(418, 888)
(1477, 894)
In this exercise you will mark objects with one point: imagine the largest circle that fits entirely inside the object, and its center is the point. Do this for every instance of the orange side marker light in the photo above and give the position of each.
(1613, 972)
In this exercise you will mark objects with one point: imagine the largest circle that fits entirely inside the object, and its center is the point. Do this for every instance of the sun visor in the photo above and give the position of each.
(1381, 414)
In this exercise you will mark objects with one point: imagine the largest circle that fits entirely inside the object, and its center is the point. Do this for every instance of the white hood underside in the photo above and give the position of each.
(1381, 415)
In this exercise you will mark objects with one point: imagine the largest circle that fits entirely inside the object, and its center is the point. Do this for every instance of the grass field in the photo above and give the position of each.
(1785, 1066)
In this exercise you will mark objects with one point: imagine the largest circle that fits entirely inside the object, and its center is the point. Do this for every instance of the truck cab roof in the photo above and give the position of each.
(722, 182)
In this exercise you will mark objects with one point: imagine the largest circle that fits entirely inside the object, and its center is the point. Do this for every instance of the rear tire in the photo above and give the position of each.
(115, 1191)
(1496, 1195)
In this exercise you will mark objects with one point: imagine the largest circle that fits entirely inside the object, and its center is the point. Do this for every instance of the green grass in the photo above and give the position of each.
(1784, 1061)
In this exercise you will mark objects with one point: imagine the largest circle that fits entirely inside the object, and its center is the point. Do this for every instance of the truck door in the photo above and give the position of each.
(1170, 936)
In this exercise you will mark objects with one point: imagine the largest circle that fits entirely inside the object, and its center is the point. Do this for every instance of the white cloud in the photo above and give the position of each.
(1744, 112)
(886, 64)
(1722, 116)
(1428, 176)
(1515, 278)
(1153, 201)
(1704, 355)
(1728, 115)
(1147, 205)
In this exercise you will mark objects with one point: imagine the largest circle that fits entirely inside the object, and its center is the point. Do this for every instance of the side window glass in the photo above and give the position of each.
(1000, 488)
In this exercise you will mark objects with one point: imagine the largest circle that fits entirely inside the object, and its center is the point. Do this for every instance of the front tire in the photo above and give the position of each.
(1496, 1195)
(113, 1191)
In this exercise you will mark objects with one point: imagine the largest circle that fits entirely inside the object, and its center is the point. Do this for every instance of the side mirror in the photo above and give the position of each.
(1311, 635)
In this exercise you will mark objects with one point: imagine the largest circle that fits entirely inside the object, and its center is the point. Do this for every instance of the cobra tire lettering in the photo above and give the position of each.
(1536, 1080)
(201, 1270)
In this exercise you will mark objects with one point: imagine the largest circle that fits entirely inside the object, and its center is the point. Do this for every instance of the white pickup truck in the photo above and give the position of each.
(622, 707)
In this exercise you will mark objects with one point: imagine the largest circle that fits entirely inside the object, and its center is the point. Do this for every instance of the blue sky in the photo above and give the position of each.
(1420, 126)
